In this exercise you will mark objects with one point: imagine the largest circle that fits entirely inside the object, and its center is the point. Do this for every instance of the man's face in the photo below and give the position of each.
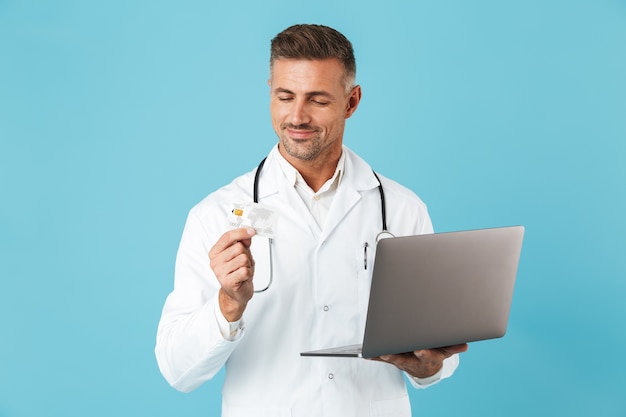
(309, 107)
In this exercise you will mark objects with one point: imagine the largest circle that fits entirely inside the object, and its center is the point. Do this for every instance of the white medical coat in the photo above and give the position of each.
(318, 299)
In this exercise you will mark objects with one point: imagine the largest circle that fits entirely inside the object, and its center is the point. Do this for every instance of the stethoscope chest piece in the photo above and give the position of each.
(383, 235)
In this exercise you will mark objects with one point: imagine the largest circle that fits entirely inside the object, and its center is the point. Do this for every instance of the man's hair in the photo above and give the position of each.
(315, 42)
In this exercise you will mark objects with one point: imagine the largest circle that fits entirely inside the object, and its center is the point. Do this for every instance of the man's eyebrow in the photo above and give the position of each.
(280, 90)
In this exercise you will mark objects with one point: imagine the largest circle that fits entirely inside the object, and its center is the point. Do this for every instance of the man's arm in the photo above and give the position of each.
(192, 345)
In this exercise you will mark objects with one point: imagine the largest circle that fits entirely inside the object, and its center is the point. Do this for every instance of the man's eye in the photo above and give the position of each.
(320, 103)
(284, 98)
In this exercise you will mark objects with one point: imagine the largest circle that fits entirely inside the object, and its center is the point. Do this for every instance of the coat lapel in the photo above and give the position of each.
(358, 177)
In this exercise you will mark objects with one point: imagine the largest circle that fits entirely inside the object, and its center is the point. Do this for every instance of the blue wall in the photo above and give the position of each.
(116, 117)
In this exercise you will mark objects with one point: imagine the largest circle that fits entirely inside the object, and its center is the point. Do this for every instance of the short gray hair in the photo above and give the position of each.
(315, 42)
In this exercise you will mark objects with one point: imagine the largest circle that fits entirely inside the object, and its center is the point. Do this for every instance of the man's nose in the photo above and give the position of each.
(299, 113)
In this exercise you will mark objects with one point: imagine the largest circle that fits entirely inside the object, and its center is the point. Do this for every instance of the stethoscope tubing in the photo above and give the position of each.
(383, 214)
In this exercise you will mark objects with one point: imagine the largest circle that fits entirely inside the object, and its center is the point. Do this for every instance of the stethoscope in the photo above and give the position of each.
(383, 234)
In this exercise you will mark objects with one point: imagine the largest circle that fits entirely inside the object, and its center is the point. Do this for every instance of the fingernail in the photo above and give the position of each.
(385, 357)
(251, 231)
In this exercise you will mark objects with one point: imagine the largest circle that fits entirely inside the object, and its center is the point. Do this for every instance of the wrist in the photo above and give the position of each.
(424, 381)
(231, 308)
(428, 373)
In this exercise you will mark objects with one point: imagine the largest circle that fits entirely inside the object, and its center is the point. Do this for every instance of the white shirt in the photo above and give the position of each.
(317, 202)
(318, 299)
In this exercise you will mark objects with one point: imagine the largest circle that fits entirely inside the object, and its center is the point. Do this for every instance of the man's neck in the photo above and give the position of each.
(316, 172)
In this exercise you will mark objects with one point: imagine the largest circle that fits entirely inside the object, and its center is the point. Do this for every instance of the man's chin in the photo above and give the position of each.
(297, 150)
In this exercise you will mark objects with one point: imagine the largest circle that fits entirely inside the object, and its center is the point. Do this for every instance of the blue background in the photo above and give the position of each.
(117, 117)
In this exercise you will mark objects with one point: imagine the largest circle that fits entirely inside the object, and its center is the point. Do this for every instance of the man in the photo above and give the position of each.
(328, 206)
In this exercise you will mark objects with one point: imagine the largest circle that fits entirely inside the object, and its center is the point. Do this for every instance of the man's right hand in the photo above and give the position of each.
(233, 265)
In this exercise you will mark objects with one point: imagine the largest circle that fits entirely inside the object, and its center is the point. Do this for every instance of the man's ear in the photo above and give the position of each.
(353, 100)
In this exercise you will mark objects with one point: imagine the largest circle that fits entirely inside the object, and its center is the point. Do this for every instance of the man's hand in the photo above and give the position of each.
(422, 363)
(233, 265)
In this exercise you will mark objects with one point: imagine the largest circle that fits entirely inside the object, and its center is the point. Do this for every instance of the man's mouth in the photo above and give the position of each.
(301, 132)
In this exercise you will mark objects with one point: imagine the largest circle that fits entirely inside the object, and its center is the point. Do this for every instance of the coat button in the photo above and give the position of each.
(326, 308)
(331, 376)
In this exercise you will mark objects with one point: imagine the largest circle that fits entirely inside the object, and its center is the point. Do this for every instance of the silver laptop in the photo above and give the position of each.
(438, 290)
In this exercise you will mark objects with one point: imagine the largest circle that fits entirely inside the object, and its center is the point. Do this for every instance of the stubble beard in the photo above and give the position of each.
(303, 150)
(300, 151)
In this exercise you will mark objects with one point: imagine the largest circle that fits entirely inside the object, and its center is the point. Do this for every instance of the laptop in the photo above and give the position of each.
(438, 290)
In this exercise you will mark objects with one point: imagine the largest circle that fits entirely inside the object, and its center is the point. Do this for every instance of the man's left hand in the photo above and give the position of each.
(422, 363)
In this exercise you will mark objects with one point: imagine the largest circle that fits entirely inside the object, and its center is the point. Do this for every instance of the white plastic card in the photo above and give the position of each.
(258, 216)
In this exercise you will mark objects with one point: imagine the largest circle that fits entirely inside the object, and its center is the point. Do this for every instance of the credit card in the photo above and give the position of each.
(258, 216)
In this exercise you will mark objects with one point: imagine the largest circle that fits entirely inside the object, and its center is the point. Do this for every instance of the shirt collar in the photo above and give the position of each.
(295, 178)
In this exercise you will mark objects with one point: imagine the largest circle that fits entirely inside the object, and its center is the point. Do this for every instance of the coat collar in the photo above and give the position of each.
(357, 178)
(358, 175)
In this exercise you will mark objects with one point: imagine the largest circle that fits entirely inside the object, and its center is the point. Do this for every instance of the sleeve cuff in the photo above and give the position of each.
(428, 380)
(230, 331)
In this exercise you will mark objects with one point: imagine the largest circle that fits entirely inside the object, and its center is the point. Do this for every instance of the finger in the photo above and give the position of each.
(238, 283)
(442, 352)
(233, 264)
(395, 359)
(237, 253)
(403, 361)
(241, 264)
(243, 235)
(451, 350)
